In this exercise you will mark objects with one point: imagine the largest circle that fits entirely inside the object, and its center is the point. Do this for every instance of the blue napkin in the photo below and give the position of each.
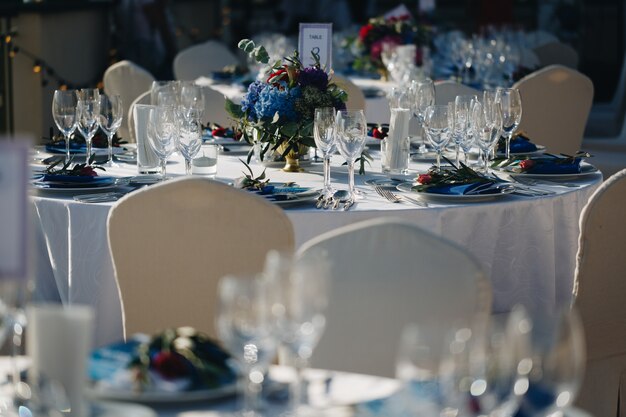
(519, 144)
(546, 166)
(59, 147)
(77, 179)
(463, 189)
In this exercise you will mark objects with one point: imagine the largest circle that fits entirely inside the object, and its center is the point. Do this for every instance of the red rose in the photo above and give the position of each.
(365, 30)
(88, 171)
(424, 178)
(526, 164)
(377, 133)
(377, 47)
(219, 132)
(277, 76)
(169, 365)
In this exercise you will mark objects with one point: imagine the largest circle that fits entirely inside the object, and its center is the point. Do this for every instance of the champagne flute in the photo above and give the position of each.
(511, 104)
(64, 115)
(463, 134)
(493, 116)
(299, 298)
(423, 93)
(110, 119)
(436, 125)
(87, 113)
(189, 138)
(245, 326)
(324, 135)
(351, 128)
(162, 133)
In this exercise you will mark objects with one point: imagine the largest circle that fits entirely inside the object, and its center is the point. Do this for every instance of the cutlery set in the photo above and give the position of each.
(340, 200)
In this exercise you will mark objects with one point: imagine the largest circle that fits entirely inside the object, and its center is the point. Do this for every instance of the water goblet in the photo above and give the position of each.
(189, 138)
(423, 93)
(351, 128)
(245, 327)
(87, 113)
(64, 115)
(162, 132)
(511, 105)
(324, 135)
(436, 125)
(110, 119)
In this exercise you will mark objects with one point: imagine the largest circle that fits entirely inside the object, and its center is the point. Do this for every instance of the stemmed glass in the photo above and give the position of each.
(192, 100)
(245, 326)
(423, 93)
(324, 135)
(64, 115)
(161, 132)
(436, 125)
(351, 128)
(299, 298)
(189, 138)
(110, 119)
(511, 105)
(463, 135)
(87, 113)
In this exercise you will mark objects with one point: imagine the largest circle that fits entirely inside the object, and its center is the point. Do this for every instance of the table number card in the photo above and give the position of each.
(316, 37)
(14, 173)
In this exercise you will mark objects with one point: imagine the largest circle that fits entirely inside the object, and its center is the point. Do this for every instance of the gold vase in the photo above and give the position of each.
(292, 158)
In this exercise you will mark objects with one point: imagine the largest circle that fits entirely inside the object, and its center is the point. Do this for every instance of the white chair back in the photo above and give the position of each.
(446, 91)
(556, 101)
(356, 97)
(557, 53)
(128, 80)
(385, 274)
(173, 241)
(143, 98)
(600, 291)
(202, 59)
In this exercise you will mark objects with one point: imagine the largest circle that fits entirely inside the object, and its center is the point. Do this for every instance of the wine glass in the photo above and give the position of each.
(192, 100)
(558, 363)
(463, 136)
(423, 93)
(189, 138)
(436, 125)
(351, 129)
(162, 133)
(493, 116)
(324, 135)
(87, 114)
(245, 327)
(511, 104)
(110, 119)
(299, 299)
(64, 115)
(482, 132)
(168, 87)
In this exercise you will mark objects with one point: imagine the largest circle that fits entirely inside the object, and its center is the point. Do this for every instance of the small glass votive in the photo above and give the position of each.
(205, 163)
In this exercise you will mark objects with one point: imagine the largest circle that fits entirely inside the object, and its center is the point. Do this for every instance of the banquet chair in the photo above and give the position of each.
(202, 59)
(129, 81)
(600, 291)
(143, 98)
(214, 110)
(557, 53)
(385, 274)
(446, 91)
(556, 102)
(173, 241)
(356, 97)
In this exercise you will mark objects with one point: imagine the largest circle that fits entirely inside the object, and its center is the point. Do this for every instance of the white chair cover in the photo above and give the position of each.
(557, 53)
(600, 291)
(556, 101)
(202, 59)
(446, 91)
(214, 110)
(356, 98)
(143, 98)
(539, 37)
(128, 80)
(385, 274)
(173, 241)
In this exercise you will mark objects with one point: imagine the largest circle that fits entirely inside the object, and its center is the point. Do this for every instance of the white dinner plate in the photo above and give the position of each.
(161, 397)
(42, 186)
(471, 198)
(586, 170)
(115, 409)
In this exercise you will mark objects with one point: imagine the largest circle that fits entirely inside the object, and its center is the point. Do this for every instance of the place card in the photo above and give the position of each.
(14, 175)
(318, 38)
(400, 12)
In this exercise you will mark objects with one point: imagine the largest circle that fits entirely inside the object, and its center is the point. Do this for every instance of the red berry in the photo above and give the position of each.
(219, 132)
(424, 179)
(88, 172)
(526, 164)
(170, 365)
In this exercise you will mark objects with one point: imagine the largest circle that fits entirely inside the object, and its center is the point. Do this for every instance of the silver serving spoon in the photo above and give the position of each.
(340, 197)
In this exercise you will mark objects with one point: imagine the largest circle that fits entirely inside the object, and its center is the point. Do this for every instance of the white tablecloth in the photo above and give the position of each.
(526, 245)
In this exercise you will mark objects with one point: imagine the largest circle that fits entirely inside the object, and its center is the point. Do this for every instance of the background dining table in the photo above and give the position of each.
(526, 245)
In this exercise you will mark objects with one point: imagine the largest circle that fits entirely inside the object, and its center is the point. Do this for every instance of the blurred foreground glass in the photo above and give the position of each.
(324, 135)
(64, 115)
(110, 119)
(245, 327)
(351, 129)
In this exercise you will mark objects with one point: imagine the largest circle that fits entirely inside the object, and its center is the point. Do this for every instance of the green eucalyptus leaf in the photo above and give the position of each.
(233, 109)
(247, 45)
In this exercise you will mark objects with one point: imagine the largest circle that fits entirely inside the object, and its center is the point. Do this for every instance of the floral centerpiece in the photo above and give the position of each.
(278, 112)
(368, 45)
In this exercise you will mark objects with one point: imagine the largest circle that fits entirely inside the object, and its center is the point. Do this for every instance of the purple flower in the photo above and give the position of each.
(315, 77)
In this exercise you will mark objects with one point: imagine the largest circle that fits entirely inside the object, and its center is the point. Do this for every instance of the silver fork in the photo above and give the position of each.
(383, 192)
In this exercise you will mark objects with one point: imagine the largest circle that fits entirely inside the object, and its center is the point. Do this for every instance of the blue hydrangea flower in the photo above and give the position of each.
(251, 98)
(273, 99)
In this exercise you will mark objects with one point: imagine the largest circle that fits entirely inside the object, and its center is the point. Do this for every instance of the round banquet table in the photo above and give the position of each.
(526, 245)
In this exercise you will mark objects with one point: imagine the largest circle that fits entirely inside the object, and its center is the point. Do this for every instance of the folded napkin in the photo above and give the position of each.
(475, 188)
(519, 144)
(554, 166)
(77, 179)
(59, 147)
